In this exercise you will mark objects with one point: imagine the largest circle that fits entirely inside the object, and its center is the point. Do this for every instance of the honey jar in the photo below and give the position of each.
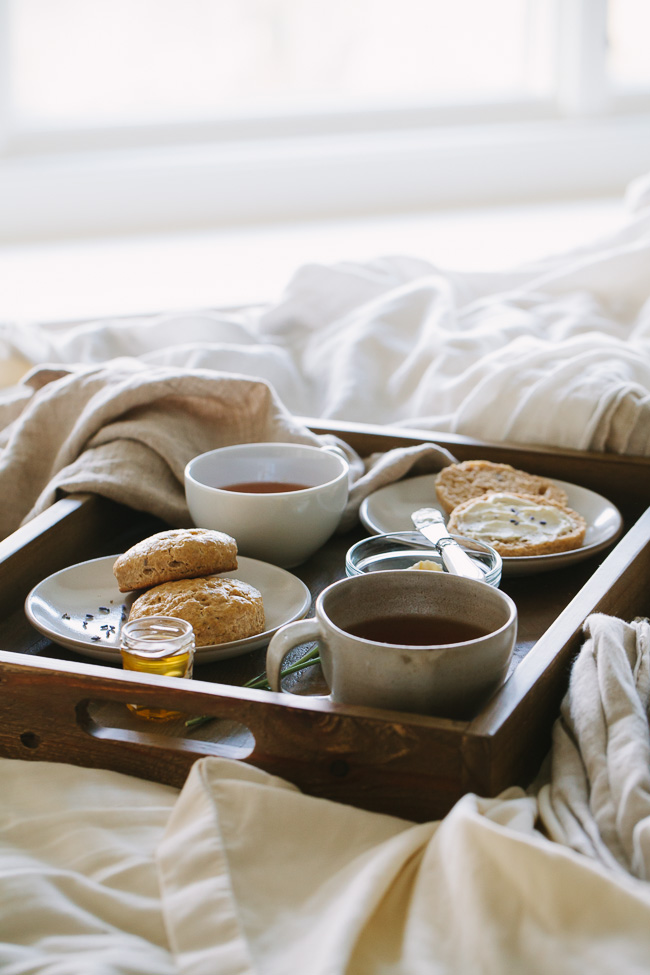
(161, 645)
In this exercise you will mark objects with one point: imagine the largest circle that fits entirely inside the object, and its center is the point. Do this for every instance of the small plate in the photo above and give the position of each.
(81, 608)
(389, 510)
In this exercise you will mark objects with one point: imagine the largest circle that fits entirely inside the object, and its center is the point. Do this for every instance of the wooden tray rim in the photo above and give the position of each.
(404, 764)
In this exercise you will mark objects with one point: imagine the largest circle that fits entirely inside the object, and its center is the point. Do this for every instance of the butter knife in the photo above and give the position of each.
(431, 523)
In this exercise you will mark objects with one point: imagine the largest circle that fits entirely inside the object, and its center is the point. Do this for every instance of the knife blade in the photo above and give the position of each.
(431, 523)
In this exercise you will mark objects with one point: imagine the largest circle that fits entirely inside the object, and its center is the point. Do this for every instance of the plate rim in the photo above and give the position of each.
(523, 561)
(215, 651)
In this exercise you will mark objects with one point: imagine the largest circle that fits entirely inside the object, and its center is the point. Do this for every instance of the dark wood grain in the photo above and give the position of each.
(57, 706)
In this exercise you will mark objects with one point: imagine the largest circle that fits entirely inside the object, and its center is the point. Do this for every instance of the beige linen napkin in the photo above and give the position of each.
(598, 799)
(126, 430)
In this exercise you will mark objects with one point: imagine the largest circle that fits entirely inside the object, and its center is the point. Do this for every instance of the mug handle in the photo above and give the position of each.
(285, 639)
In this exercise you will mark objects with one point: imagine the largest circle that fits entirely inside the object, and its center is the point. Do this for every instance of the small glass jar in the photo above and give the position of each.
(402, 550)
(160, 645)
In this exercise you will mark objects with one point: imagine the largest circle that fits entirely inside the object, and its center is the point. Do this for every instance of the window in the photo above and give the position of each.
(628, 64)
(98, 63)
(133, 114)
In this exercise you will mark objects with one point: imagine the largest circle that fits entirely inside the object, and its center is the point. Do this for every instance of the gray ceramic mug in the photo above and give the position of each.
(444, 678)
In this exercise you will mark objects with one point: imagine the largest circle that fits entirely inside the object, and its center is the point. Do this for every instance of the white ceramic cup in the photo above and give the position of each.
(449, 680)
(283, 528)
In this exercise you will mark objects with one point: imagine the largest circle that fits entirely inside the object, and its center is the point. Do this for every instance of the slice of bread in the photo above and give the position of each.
(472, 478)
(518, 524)
(180, 553)
(219, 609)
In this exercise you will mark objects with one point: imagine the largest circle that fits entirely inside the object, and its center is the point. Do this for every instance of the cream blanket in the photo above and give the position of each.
(241, 874)
(319, 887)
(557, 353)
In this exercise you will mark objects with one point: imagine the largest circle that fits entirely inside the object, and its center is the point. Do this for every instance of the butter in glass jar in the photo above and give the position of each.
(160, 645)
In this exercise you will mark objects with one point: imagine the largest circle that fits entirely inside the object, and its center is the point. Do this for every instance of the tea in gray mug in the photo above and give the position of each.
(429, 643)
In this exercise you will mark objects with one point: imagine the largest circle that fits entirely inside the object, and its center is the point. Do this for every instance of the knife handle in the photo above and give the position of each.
(458, 561)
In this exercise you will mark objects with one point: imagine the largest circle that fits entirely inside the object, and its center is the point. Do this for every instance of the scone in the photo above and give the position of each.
(180, 553)
(518, 524)
(219, 609)
(460, 482)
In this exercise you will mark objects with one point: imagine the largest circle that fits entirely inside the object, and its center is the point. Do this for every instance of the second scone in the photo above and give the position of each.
(219, 609)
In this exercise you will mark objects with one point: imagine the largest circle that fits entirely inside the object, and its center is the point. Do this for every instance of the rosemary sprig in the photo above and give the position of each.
(198, 721)
(310, 659)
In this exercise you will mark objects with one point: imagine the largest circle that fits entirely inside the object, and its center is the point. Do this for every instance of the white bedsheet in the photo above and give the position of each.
(557, 353)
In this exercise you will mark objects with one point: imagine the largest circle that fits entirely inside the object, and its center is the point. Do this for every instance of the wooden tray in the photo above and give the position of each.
(57, 706)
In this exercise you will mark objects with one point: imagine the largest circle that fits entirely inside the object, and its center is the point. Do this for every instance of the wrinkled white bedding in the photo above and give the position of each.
(557, 353)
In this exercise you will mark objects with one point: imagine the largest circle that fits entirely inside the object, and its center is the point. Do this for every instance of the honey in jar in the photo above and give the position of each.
(161, 645)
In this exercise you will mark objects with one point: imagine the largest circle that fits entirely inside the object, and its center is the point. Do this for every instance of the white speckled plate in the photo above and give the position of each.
(82, 609)
(389, 510)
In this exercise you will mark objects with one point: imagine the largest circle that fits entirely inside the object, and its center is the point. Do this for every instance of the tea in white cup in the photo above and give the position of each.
(279, 501)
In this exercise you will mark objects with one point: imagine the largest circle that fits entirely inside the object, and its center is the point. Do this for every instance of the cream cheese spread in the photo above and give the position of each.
(505, 517)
